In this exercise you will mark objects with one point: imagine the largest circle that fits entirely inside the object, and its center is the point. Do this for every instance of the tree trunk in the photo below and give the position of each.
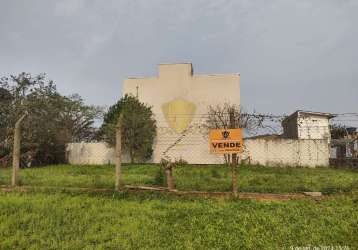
(170, 179)
(119, 183)
(16, 154)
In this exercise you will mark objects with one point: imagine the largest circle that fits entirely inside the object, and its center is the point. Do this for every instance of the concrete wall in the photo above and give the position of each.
(269, 152)
(179, 101)
(287, 152)
(90, 153)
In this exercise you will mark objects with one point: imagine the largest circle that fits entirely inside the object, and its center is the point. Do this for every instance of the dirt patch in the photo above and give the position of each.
(221, 195)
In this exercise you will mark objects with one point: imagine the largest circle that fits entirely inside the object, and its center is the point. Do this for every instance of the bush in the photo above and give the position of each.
(164, 162)
(181, 162)
(138, 127)
(330, 190)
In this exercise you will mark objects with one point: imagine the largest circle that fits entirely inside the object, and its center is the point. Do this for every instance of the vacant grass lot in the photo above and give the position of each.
(152, 221)
(209, 178)
(120, 220)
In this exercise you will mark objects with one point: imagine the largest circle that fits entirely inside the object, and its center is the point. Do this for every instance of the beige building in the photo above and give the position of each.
(180, 101)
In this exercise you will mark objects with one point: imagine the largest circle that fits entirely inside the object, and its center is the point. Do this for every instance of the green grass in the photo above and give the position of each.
(55, 219)
(58, 220)
(266, 179)
(81, 176)
(208, 178)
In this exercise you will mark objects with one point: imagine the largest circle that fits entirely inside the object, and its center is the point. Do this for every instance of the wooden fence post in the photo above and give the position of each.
(233, 157)
(16, 153)
(118, 153)
(234, 174)
(169, 175)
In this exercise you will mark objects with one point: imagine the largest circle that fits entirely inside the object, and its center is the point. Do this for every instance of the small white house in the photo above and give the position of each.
(307, 125)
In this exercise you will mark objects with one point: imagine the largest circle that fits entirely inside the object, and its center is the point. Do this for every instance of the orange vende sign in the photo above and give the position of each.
(226, 141)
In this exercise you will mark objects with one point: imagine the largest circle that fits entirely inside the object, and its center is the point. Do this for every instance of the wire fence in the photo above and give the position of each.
(185, 136)
(190, 144)
(279, 148)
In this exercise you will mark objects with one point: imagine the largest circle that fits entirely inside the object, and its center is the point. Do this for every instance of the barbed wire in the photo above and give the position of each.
(257, 114)
(196, 134)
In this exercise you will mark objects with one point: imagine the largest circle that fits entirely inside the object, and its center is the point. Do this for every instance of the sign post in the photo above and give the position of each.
(230, 142)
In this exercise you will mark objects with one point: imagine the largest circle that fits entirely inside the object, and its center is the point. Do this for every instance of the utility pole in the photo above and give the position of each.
(16, 153)
(118, 153)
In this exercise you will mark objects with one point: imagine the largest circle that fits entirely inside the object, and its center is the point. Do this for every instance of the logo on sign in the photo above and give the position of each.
(225, 134)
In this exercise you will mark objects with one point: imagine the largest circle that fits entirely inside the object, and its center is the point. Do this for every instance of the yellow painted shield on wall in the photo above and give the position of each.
(178, 113)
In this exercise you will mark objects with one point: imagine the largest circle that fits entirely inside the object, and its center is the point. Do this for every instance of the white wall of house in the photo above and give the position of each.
(313, 127)
(307, 125)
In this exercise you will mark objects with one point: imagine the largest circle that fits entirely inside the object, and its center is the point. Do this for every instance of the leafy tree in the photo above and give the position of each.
(138, 127)
(53, 119)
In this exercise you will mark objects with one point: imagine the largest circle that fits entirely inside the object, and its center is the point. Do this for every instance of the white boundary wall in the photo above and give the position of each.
(268, 152)
(287, 152)
(98, 153)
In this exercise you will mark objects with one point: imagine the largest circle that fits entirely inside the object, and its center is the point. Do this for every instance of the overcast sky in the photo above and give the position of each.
(290, 54)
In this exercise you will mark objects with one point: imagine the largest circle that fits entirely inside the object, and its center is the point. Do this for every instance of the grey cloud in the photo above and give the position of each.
(291, 54)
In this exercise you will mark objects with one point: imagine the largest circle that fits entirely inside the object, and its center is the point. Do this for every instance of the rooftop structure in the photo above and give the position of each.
(307, 125)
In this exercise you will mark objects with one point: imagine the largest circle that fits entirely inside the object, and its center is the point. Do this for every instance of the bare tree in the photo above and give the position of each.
(228, 116)
(225, 117)
(232, 115)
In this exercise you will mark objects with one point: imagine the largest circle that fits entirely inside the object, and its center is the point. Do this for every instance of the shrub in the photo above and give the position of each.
(330, 190)
(181, 162)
